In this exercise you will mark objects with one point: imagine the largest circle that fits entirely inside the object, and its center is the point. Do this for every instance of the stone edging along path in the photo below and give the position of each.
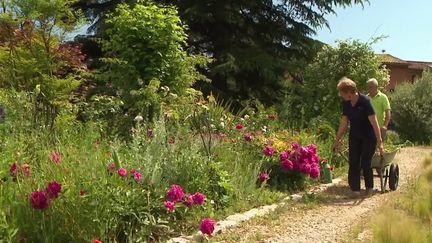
(237, 219)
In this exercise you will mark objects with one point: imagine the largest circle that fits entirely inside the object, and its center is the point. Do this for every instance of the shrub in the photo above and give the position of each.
(412, 109)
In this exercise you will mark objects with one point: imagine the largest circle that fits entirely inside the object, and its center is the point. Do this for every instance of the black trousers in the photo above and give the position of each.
(361, 151)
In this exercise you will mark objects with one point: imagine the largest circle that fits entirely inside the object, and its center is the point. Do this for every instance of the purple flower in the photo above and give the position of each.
(284, 155)
(188, 201)
(175, 193)
(248, 137)
(122, 172)
(287, 165)
(207, 226)
(170, 206)
(39, 200)
(137, 176)
(56, 157)
(314, 172)
(53, 189)
(263, 176)
(268, 150)
(198, 198)
(13, 169)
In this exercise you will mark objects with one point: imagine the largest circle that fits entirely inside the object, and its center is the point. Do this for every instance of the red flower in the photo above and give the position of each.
(97, 241)
(239, 126)
(332, 168)
(53, 189)
(207, 226)
(271, 117)
(56, 157)
(171, 140)
(39, 200)
(82, 193)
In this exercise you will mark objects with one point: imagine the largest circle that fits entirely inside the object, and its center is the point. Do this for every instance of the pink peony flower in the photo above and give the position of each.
(188, 201)
(295, 146)
(268, 150)
(312, 148)
(137, 176)
(284, 155)
(53, 189)
(248, 137)
(239, 126)
(39, 200)
(175, 193)
(314, 172)
(263, 176)
(13, 169)
(122, 172)
(287, 165)
(207, 226)
(170, 206)
(198, 198)
(305, 168)
(55, 157)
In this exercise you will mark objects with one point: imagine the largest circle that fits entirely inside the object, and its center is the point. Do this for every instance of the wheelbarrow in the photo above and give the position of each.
(386, 169)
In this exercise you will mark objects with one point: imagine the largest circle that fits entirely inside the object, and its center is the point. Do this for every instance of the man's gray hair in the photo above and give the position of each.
(373, 81)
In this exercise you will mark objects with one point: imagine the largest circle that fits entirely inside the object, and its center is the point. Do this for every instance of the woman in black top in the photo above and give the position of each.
(364, 135)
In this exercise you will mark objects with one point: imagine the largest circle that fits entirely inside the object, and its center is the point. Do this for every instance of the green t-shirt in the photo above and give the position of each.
(380, 104)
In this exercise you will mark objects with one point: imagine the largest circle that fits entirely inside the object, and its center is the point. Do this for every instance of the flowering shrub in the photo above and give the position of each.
(207, 226)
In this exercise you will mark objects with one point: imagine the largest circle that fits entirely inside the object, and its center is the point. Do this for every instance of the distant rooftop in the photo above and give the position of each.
(388, 59)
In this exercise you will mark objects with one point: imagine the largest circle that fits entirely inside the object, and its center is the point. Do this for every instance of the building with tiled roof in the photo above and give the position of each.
(402, 71)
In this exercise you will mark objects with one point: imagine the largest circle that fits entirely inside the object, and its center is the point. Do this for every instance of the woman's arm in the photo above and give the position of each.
(377, 130)
(343, 126)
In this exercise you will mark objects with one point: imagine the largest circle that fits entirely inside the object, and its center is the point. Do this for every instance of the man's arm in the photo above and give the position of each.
(387, 118)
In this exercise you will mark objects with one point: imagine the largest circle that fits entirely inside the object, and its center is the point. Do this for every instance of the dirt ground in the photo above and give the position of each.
(334, 218)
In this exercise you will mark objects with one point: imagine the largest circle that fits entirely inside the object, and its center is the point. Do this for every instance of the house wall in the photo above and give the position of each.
(399, 75)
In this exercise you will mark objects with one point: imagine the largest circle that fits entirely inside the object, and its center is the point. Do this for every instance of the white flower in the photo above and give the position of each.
(212, 126)
(241, 119)
(246, 116)
(222, 124)
(138, 118)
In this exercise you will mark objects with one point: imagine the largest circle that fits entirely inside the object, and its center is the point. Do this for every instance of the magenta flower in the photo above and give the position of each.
(175, 193)
(188, 201)
(305, 168)
(122, 172)
(312, 148)
(207, 226)
(137, 176)
(13, 169)
(284, 155)
(39, 200)
(248, 137)
(239, 126)
(263, 176)
(55, 157)
(53, 189)
(314, 172)
(170, 206)
(295, 146)
(198, 198)
(287, 165)
(268, 150)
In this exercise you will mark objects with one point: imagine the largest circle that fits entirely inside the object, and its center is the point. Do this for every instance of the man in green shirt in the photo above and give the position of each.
(380, 104)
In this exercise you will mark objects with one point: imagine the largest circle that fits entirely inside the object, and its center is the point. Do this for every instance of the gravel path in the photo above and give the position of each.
(333, 219)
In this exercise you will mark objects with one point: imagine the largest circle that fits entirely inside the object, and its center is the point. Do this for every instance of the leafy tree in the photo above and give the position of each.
(254, 43)
(144, 60)
(317, 96)
(34, 59)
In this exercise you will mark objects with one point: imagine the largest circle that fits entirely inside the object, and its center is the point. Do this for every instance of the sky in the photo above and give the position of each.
(406, 23)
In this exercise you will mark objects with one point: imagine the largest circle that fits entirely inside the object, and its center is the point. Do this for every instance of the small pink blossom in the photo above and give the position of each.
(13, 169)
(188, 201)
(284, 155)
(137, 176)
(239, 126)
(55, 157)
(175, 193)
(263, 176)
(25, 169)
(111, 167)
(198, 198)
(268, 150)
(170, 206)
(207, 226)
(287, 165)
(314, 172)
(122, 172)
(248, 137)
(53, 189)
(39, 200)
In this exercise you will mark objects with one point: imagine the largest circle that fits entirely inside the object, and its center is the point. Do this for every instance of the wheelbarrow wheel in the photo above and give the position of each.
(394, 177)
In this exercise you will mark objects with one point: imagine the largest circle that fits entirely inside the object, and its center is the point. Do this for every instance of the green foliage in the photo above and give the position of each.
(32, 57)
(411, 109)
(318, 97)
(145, 59)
